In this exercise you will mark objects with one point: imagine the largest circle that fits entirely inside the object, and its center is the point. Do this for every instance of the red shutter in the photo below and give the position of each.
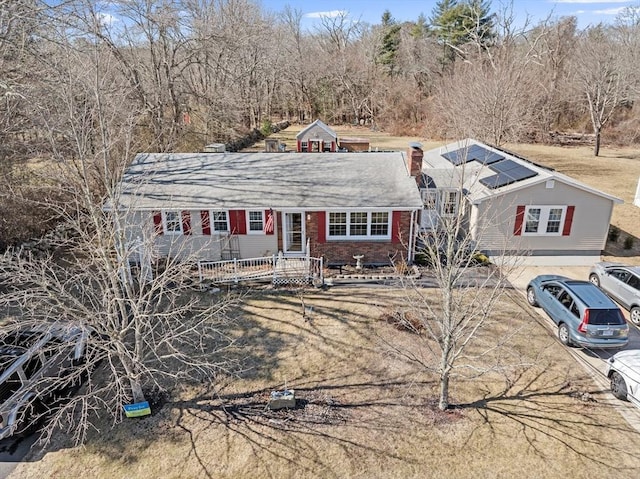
(157, 222)
(395, 227)
(517, 228)
(321, 218)
(568, 219)
(299, 146)
(206, 222)
(238, 222)
(186, 222)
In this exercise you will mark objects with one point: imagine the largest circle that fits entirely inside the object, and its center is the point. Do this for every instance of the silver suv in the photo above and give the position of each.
(620, 282)
(35, 365)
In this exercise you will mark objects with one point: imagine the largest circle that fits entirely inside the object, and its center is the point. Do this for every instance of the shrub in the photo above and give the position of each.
(614, 234)
(628, 242)
(267, 127)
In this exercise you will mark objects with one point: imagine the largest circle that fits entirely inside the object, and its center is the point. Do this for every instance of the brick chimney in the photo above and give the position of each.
(414, 160)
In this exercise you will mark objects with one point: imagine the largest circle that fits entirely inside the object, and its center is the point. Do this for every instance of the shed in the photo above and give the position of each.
(317, 138)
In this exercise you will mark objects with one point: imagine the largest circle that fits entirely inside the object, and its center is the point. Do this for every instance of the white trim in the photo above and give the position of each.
(368, 236)
(248, 218)
(212, 221)
(165, 230)
(543, 220)
(441, 202)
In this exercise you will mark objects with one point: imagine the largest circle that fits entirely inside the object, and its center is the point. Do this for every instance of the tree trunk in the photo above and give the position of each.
(596, 148)
(136, 390)
(443, 402)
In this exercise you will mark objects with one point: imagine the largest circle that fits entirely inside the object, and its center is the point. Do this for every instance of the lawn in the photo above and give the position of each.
(362, 412)
(365, 413)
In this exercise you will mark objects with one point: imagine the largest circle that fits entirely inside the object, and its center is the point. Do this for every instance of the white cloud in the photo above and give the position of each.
(589, 1)
(609, 11)
(107, 19)
(330, 14)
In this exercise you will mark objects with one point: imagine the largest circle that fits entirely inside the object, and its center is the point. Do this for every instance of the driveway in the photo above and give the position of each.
(593, 360)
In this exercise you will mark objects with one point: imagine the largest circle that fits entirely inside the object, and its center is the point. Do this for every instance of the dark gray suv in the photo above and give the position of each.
(584, 314)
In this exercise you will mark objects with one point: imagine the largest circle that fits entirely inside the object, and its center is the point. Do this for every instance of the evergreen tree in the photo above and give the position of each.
(455, 23)
(389, 43)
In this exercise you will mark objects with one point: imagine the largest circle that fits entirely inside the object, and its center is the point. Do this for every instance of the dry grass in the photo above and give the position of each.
(365, 413)
(362, 411)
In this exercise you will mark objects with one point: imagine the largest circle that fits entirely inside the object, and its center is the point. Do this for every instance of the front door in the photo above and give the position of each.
(294, 235)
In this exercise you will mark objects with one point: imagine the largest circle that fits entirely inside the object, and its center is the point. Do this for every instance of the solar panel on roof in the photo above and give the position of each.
(487, 157)
(508, 177)
(456, 157)
(504, 165)
(473, 153)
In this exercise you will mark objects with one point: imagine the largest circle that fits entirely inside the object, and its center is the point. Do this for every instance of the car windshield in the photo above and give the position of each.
(605, 317)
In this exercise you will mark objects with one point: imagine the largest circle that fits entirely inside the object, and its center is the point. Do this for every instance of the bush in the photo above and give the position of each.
(267, 127)
(614, 234)
(628, 242)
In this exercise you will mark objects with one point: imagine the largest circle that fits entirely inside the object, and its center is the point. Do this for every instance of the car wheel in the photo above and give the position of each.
(595, 279)
(618, 386)
(563, 335)
(531, 297)
(634, 315)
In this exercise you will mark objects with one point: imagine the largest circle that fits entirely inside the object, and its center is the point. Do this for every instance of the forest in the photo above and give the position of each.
(97, 82)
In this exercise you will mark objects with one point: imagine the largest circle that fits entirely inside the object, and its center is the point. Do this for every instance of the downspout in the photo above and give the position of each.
(411, 238)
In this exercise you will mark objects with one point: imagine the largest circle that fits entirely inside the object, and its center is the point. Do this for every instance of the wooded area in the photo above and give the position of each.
(88, 79)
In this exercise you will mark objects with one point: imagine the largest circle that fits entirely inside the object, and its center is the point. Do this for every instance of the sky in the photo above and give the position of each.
(588, 12)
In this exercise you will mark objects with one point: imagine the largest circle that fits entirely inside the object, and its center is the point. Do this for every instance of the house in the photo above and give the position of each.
(316, 138)
(512, 206)
(216, 206)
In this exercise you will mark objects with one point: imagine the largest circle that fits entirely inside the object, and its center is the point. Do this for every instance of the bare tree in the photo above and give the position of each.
(600, 77)
(146, 332)
(450, 321)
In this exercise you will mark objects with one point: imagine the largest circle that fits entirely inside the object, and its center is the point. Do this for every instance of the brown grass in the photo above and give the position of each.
(362, 411)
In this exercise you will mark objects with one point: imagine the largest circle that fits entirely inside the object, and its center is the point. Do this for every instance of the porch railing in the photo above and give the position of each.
(276, 268)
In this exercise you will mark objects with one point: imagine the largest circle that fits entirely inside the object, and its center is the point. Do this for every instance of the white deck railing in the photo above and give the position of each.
(277, 269)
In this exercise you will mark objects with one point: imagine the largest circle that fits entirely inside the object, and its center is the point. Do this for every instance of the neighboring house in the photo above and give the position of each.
(216, 206)
(316, 138)
(513, 206)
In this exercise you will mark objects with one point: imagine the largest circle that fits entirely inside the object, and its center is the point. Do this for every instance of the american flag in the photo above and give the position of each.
(268, 225)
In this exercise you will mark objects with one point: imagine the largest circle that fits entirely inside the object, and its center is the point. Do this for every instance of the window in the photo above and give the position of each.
(256, 221)
(380, 224)
(544, 220)
(172, 222)
(359, 224)
(533, 220)
(553, 224)
(337, 224)
(634, 282)
(448, 203)
(429, 199)
(220, 221)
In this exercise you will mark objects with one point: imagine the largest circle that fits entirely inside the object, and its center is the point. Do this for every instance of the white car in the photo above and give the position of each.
(623, 369)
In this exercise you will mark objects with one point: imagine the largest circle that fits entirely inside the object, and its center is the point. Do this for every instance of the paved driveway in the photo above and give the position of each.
(593, 360)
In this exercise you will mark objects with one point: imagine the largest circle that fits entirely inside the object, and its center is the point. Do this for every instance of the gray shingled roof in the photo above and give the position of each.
(269, 180)
(318, 123)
